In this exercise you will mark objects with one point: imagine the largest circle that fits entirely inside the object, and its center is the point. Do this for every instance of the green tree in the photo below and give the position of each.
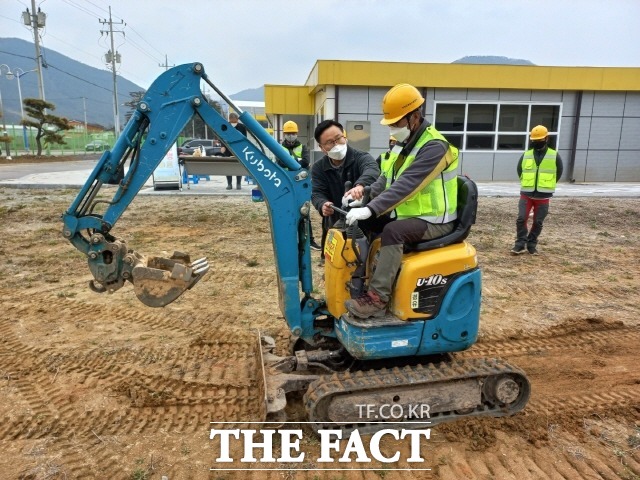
(47, 126)
(196, 127)
(136, 97)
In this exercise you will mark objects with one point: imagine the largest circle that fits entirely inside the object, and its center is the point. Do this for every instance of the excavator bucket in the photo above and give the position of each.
(158, 281)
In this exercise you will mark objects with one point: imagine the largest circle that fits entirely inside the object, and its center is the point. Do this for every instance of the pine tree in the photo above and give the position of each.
(48, 126)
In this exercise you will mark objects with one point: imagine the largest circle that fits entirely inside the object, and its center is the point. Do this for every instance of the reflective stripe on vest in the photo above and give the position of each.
(437, 202)
(297, 152)
(539, 177)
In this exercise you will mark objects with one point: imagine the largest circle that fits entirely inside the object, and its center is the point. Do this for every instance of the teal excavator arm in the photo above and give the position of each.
(166, 108)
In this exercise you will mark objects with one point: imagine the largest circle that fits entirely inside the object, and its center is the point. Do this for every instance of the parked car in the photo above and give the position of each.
(211, 147)
(96, 146)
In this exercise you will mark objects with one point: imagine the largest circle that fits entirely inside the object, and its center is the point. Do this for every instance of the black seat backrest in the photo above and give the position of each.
(467, 208)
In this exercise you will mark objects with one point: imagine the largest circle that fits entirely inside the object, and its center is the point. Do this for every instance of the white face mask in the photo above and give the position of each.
(338, 152)
(291, 137)
(400, 134)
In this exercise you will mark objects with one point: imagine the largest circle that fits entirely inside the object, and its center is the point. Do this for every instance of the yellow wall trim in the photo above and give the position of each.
(459, 75)
(298, 99)
(288, 99)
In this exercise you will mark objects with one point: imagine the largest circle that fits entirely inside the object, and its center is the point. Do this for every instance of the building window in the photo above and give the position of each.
(495, 126)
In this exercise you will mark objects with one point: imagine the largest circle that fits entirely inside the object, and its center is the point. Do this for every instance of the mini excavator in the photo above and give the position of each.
(336, 361)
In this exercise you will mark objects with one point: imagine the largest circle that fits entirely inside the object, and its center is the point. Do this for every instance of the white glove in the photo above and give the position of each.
(348, 201)
(357, 214)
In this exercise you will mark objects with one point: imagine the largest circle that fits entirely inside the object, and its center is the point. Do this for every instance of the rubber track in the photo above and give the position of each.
(385, 379)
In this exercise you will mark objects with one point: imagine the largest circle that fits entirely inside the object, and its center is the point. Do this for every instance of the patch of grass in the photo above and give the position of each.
(140, 474)
(634, 440)
(6, 211)
(64, 294)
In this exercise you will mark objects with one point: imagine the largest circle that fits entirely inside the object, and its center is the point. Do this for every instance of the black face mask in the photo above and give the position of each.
(538, 144)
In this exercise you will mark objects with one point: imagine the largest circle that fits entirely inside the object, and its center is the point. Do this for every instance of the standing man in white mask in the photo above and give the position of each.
(341, 164)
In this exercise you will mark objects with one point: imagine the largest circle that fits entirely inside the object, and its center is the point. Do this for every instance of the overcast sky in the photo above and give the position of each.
(247, 43)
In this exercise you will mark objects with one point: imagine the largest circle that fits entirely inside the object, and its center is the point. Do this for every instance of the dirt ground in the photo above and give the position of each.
(100, 386)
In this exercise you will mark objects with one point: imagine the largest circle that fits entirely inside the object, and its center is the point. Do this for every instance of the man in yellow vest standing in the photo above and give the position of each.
(539, 169)
(297, 150)
(414, 199)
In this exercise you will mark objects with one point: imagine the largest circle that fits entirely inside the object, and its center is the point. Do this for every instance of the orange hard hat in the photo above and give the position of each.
(400, 100)
(539, 132)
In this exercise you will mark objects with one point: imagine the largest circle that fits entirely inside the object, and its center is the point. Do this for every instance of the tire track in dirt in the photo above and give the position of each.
(210, 380)
(581, 369)
(544, 341)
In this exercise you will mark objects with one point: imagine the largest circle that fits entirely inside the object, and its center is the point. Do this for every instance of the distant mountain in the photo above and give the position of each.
(250, 95)
(66, 81)
(493, 60)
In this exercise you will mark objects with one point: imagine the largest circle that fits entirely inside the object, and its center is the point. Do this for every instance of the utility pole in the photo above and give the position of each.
(113, 57)
(36, 21)
(166, 63)
(84, 106)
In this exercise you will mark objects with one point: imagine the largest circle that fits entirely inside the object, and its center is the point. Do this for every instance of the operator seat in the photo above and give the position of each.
(467, 208)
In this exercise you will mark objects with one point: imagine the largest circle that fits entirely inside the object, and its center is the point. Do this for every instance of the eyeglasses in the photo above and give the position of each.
(329, 144)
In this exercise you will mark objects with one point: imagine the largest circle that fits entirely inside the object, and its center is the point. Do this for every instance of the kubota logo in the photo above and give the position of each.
(261, 167)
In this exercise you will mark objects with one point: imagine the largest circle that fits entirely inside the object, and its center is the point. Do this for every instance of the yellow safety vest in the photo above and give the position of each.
(297, 152)
(437, 202)
(541, 178)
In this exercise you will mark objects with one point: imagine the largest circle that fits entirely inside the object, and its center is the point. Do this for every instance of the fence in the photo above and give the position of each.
(23, 141)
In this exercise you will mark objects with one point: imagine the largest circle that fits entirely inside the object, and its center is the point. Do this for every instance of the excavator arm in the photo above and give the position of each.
(169, 104)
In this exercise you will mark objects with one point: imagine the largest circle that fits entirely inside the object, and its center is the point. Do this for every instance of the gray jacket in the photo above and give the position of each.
(327, 182)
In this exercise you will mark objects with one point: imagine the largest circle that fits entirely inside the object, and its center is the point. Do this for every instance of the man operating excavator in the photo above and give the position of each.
(414, 199)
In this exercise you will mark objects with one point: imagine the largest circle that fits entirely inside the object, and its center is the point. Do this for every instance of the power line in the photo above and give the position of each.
(16, 55)
(12, 19)
(100, 8)
(141, 50)
(81, 8)
(55, 68)
(73, 46)
(143, 39)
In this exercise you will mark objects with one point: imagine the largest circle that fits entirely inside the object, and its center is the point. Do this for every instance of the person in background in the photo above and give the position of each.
(341, 163)
(233, 120)
(301, 154)
(296, 149)
(385, 155)
(539, 169)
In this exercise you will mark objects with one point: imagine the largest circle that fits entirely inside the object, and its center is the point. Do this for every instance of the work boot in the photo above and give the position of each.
(518, 250)
(314, 246)
(366, 305)
(229, 187)
(238, 186)
(532, 250)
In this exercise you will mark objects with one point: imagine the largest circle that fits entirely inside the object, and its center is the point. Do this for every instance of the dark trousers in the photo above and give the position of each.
(230, 180)
(524, 236)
